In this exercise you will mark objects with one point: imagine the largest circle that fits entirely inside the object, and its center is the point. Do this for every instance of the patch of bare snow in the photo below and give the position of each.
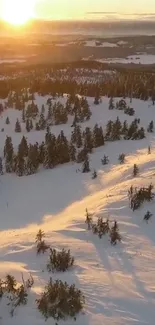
(135, 59)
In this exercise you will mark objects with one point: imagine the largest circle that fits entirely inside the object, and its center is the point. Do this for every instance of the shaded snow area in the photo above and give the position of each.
(117, 281)
(89, 43)
(135, 59)
(122, 42)
(94, 43)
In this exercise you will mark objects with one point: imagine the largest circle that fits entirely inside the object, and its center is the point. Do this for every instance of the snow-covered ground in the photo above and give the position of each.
(118, 282)
(135, 59)
(93, 43)
(90, 43)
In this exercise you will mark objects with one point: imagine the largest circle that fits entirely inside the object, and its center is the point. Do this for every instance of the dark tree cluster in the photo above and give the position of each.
(115, 130)
(102, 228)
(60, 301)
(60, 261)
(138, 196)
(15, 294)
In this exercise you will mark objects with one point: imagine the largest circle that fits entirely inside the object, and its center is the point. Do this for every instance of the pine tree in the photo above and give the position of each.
(135, 170)
(31, 124)
(20, 162)
(114, 234)
(24, 147)
(1, 166)
(98, 138)
(125, 128)
(149, 150)
(150, 127)
(105, 160)
(32, 160)
(28, 125)
(72, 152)
(94, 175)
(116, 130)
(62, 148)
(7, 120)
(42, 151)
(148, 216)
(121, 158)
(109, 128)
(23, 115)
(85, 167)
(88, 220)
(42, 122)
(111, 103)
(17, 127)
(88, 140)
(97, 100)
(8, 154)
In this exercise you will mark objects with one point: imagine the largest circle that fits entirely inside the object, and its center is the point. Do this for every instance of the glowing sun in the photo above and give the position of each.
(17, 12)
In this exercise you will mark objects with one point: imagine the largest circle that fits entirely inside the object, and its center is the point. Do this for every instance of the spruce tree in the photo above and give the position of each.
(148, 216)
(23, 115)
(23, 147)
(94, 175)
(85, 167)
(114, 234)
(121, 158)
(28, 125)
(42, 122)
(20, 162)
(105, 160)
(111, 103)
(97, 100)
(88, 139)
(7, 121)
(42, 153)
(1, 166)
(150, 127)
(98, 138)
(8, 154)
(135, 170)
(109, 128)
(17, 127)
(31, 124)
(72, 152)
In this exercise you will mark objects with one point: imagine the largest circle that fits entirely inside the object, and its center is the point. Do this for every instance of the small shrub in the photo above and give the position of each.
(138, 197)
(60, 301)
(7, 121)
(148, 216)
(42, 247)
(121, 158)
(94, 175)
(88, 220)
(105, 160)
(149, 150)
(60, 261)
(114, 234)
(17, 295)
(135, 170)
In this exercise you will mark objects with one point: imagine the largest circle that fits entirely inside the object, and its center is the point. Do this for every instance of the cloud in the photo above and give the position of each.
(121, 15)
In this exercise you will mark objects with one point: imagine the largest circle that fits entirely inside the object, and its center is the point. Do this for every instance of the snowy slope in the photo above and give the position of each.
(118, 282)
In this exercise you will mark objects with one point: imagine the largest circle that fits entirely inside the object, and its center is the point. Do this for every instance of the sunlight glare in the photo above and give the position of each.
(17, 12)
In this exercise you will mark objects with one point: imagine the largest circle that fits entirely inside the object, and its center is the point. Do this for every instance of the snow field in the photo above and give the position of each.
(118, 282)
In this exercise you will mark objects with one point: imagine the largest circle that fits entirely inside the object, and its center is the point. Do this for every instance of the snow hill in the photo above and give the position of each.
(118, 282)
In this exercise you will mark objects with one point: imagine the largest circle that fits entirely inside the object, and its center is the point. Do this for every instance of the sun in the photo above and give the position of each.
(17, 12)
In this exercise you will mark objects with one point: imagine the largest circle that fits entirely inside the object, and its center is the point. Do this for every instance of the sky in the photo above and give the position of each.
(93, 9)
